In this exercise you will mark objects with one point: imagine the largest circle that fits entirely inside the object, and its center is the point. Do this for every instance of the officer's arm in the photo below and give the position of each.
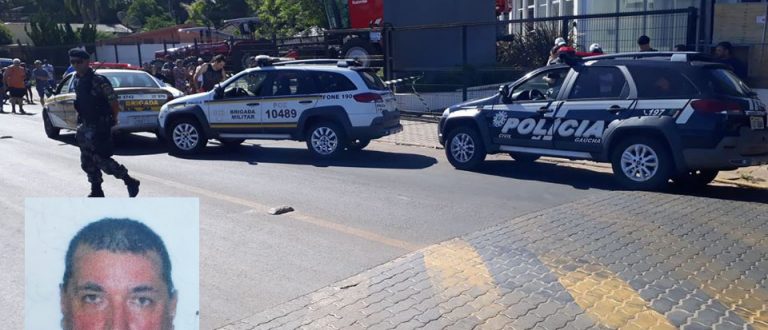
(111, 96)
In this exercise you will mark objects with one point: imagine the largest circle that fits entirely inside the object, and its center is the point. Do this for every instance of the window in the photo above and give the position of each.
(373, 81)
(246, 85)
(725, 82)
(132, 79)
(543, 86)
(600, 83)
(64, 85)
(284, 83)
(655, 83)
(331, 82)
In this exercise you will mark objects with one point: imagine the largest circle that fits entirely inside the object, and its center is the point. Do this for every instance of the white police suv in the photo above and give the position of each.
(333, 105)
(654, 116)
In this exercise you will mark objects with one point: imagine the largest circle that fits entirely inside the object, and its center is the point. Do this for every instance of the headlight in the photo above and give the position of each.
(176, 106)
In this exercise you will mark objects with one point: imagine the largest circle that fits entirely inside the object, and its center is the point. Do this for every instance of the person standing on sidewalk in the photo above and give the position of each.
(42, 81)
(13, 79)
(28, 82)
(97, 111)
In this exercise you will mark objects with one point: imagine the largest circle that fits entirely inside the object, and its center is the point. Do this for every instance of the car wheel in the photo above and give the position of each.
(641, 163)
(357, 145)
(231, 143)
(524, 158)
(325, 140)
(185, 137)
(50, 130)
(695, 178)
(464, 148)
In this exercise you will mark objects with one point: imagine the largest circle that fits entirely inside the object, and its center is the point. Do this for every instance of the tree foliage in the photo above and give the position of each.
(213, 13)
(43, 30)
(5, 35)
(148, 15)
(284, 18)
(92, 11)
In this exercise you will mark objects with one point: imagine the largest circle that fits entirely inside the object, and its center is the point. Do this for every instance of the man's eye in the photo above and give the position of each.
(92, 299)
(143, 301)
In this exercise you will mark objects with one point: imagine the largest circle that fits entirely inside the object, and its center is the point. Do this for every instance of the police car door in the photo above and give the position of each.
(523, 125)
(237, 113)
(56, 104)
(287, 94)
(597, 97)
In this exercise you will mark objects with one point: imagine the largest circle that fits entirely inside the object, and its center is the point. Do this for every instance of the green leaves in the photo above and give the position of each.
(285, 18)
(148, 15)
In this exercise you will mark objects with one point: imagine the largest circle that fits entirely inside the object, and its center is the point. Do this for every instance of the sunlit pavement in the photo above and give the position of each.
(627, 260)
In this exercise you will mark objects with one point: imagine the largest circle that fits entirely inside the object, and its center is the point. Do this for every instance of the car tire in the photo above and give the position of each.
(464, 148)
(231, 142)
(362, 50)
(524, 158)
(325, 140)
(358, 144)
(641, 163)
(695, 178)
(51, 131)
(185, 137)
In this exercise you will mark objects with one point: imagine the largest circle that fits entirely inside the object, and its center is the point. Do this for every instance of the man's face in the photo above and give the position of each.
(721, 52)
(116, 291)
(218, 65)
(80, 65)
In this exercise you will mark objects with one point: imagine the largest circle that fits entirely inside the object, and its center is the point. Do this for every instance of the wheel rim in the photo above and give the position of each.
(185, 136)
(462, 147)
(324, 140)
(639, 163)
(360, 54)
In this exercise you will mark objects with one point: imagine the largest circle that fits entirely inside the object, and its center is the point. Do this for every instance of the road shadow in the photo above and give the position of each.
(126, 145)
(254, 154)
(580, 178)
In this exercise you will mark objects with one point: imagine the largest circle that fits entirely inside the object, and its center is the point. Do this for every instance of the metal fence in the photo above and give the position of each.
(457, 62)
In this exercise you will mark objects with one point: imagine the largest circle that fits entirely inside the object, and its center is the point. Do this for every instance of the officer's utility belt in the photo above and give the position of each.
(99, 122)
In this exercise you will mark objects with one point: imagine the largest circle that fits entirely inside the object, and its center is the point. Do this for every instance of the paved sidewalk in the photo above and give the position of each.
(424, 134)
(629, 260)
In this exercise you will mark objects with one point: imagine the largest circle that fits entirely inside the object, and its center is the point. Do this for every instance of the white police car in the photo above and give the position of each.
(333, 105)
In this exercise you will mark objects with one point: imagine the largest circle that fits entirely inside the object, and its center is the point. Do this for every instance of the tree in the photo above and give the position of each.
(91, 10)
(284, 18)
(148, 15)
(208, 12)
(5, 35)
(43, 30)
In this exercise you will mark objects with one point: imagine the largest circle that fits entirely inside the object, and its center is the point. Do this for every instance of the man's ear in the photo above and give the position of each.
(64, 305)
(172, 305)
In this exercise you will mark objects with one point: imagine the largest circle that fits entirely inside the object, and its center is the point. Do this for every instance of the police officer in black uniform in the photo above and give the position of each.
(97, 109)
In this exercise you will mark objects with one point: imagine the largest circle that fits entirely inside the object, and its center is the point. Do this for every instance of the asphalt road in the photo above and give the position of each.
(352, 214)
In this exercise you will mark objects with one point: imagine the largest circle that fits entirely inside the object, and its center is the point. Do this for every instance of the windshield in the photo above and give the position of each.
(725, 82)
(131, 79)
(338, 13)
(373, 81)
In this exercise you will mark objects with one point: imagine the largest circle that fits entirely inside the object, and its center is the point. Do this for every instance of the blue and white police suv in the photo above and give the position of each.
(333, 105)
(653, 116)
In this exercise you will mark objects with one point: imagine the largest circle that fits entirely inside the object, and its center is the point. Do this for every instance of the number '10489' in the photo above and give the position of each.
(282, 113)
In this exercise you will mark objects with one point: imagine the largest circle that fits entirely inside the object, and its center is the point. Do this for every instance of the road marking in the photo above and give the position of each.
(352, 231)
(609, 300)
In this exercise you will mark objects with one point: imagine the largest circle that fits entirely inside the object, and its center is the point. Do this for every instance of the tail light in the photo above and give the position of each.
(718, 106)
(368, 98)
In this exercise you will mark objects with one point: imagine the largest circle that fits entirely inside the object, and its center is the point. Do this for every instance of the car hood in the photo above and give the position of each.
(192, 99)
(494, 99)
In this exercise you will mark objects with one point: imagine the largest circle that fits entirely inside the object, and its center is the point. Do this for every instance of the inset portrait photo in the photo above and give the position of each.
(112, 263)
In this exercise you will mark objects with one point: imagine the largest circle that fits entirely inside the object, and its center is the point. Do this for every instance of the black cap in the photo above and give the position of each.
(643, 40)
(79, 53)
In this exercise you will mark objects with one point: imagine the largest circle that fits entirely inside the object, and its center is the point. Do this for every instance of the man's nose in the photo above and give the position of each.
(118, 317)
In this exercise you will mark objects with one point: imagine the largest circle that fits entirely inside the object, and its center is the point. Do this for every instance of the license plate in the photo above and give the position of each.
(757, 122)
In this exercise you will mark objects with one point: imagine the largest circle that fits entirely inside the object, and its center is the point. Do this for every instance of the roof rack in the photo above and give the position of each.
(672, 56)
(342, 63)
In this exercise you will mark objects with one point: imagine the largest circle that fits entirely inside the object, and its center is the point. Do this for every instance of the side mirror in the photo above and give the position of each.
(504, 92)
(218, 93)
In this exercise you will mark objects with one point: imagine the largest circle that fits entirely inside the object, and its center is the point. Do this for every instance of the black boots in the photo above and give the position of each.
(132, 185)
(96, 191)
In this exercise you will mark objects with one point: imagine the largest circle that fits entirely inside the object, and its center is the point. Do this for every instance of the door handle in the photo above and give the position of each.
(252, 104)
(615, 108)
(543, 110)
(305, 102)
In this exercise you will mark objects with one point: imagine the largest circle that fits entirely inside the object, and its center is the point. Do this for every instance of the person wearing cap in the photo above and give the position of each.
(561, 46)
(13, 79)
(595, 48)
(97, 112)
(645, 44)
(41, 80)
